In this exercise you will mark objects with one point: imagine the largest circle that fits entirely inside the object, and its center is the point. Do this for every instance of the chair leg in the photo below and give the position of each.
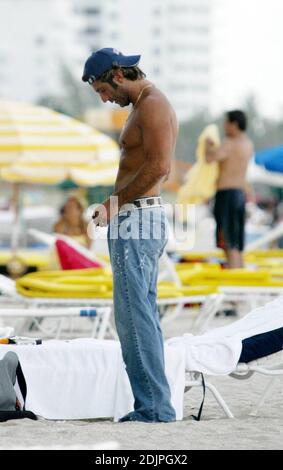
(59, 330)
(171, 314)
(103, 318)
(207, 313)
(202, 320)
(263, 396)
(219, 399)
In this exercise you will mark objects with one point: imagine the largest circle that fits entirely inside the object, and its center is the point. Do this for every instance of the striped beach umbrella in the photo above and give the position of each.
(41, 146)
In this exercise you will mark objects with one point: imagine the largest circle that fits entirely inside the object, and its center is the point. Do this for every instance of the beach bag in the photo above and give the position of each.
(10, 371)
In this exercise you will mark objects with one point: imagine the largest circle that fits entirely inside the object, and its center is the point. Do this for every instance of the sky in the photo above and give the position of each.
(248, 56)
(251, 40)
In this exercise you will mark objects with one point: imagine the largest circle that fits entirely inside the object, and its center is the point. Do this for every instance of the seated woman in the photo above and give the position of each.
(72, 223)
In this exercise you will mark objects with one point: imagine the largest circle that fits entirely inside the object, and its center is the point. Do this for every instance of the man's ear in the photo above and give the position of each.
(118, 77)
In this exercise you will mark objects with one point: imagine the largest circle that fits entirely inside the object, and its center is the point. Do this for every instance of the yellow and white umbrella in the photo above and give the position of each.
(41, 146)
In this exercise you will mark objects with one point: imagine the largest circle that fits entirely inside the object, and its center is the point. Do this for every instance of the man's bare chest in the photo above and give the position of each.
(131, 135)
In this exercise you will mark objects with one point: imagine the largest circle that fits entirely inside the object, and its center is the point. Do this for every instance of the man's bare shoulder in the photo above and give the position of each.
(156, 107)
(250, 144)
(242, 146)
(245, 143)
(227, 144)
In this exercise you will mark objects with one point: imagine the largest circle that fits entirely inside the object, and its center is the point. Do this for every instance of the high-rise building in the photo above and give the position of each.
(37, 39)
(91, 13)
(173, 36)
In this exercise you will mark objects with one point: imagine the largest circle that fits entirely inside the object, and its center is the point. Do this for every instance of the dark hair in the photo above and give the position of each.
(238, 117)
(130, 73)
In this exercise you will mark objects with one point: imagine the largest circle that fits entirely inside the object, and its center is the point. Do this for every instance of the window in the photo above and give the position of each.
(113, 15)
(156, 31)
(176, 87)
(156, 51)
(197, 9)
(189, 28)
(39, 40)
(186, 48)
(157, 11)
(114, 35)
(156, 71)
(91, 30)
(199, 88)
(91, 11)
(194, 68)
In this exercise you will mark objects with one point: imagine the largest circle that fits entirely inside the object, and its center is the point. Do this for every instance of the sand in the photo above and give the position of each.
(214, 431)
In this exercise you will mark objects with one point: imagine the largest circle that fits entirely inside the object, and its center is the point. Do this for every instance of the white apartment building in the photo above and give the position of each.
(37, 37)
(173, 36)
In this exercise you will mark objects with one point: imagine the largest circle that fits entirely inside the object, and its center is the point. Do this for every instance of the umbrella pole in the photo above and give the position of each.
(15, 266)
(15, 206)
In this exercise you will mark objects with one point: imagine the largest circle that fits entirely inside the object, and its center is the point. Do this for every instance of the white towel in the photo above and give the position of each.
(217, 352)
(86, 378)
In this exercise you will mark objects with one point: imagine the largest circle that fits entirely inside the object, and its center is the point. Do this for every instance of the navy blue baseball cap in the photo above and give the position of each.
(103, 60)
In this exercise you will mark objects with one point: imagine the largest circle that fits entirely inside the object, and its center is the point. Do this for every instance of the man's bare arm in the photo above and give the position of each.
(216, 154)
(157, 138)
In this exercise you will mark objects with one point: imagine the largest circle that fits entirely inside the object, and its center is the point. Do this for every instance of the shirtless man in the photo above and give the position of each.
(229, 210)
(147, 145)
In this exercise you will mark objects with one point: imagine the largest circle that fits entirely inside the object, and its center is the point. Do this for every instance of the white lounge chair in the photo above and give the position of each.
(250, 345)
(99, 316)
(271, 366)
(86, 378)
(34, 310)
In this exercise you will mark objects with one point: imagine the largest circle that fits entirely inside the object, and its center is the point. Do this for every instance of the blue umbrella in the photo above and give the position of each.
(271, 159)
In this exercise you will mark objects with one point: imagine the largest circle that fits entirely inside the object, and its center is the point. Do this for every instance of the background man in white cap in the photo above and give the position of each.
(147, 146)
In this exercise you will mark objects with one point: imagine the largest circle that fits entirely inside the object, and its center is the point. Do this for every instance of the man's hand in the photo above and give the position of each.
(105, 211)
(210, 150)
(209, 144)
(18, 405)
(100, 216)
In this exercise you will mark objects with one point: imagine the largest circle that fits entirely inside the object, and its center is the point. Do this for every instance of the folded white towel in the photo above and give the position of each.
(217, 352)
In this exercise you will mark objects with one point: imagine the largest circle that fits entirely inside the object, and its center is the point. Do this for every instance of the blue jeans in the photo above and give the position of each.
(136, 240)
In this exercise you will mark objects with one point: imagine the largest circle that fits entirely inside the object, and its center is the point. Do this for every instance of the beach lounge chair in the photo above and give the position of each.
(90, 364)
(86, 378)
(48, 302)
(245, 287)
(39, 295)
(209, 298)
(250, 345)
(271, 366)
(99, 316)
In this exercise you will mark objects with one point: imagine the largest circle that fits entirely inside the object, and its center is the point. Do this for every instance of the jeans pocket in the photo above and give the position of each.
(153, 234)
(153, 247)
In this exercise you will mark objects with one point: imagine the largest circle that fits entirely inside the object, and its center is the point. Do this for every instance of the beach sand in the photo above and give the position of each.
(214, 431)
